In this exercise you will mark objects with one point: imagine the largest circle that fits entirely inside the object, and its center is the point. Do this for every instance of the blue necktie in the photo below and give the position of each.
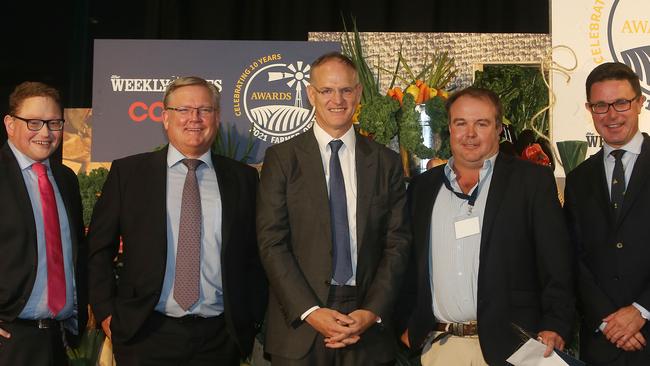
(618, 181)
(341, 258)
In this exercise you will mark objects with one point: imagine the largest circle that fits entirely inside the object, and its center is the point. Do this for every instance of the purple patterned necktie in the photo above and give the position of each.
(188, 253)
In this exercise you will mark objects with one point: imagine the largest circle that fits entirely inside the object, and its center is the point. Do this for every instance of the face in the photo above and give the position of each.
(37, 145)
(474, 134)
(616, 128)
(191, 134)
(339, 95)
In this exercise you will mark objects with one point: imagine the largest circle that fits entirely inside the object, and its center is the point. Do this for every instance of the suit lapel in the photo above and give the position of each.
(64, 191)
(366, 169)
(229, 192)
(16, 181)
(495, 197)
(638, 179)
(157, 190)
(310, 167)
(600, 186)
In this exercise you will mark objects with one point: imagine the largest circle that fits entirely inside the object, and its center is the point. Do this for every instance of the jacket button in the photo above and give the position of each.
(619, 245)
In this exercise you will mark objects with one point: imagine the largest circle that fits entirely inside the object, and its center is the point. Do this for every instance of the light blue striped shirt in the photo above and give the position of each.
(454, 263)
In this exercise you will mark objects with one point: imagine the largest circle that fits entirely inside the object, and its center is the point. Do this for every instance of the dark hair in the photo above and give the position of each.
(337, 56)
(479, 93)
(613, 71)
(188, 81)
(30, 89)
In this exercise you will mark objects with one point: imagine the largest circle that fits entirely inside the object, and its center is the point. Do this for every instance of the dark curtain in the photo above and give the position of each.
(52, 41)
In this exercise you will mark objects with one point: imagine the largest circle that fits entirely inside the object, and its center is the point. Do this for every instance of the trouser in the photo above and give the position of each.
(453, 350)
(191, 340)
(32, 345)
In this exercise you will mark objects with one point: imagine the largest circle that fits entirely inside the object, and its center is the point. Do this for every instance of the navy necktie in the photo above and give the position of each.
(341, 258)
(618, 182)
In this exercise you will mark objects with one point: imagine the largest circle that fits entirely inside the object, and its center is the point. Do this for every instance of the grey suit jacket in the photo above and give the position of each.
(294, 238)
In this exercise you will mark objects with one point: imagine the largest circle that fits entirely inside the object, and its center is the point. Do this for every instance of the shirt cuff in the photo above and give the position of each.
(309, 311)
(601, 328)
(645, 314)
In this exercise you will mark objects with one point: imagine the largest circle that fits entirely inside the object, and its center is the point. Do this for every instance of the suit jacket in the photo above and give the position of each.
(133, 206)
(613, 254)
(18, 237)
(525, 275)
(294, 236)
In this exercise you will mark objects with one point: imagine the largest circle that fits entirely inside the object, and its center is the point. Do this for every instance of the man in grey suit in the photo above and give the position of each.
(332, 233)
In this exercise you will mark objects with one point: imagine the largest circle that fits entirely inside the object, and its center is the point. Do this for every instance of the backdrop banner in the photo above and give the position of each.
(586, 33)
(262, 85)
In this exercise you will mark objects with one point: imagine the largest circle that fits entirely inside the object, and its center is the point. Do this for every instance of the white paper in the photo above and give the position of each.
(532, 354)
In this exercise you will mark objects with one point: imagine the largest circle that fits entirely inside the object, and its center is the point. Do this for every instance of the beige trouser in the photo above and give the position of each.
(453, 350)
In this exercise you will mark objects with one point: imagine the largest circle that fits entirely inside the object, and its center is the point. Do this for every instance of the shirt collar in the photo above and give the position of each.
(323, 138)
(174, 157)
(25, 161)
(633, 146)
(486, 169)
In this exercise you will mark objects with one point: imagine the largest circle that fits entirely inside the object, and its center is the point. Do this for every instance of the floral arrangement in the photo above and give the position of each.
(393, 114)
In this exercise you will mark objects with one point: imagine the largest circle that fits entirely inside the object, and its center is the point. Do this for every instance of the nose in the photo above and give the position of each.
(338, 96)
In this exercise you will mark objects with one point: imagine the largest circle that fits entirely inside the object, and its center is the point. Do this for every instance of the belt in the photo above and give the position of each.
(458, 329)
(38, 323)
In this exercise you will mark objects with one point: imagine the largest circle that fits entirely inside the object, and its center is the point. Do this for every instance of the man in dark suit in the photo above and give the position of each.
(607, 200)
(43, 288)
(332, 233)
(490, 247)
(191, 290)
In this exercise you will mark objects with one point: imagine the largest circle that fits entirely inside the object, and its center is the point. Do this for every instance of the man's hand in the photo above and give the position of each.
(551, 340)
(634, 343)
(106, 326)
(330, 323)
(622, 325)
(4, 333)
(405, 338)
(363, 319)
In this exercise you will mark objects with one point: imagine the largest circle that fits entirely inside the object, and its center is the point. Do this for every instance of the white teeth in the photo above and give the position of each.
(337, 109)
(41, 142)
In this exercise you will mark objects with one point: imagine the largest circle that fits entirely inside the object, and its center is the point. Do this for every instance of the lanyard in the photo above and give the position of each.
(471, 199)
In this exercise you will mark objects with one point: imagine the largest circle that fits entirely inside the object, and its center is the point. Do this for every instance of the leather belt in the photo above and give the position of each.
(38, 323)
(458, 329)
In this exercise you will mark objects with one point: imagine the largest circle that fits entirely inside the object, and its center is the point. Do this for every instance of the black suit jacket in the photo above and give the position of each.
(18, 237)
(294, 234)
(133, 206)
(613, 254)
(525, 275)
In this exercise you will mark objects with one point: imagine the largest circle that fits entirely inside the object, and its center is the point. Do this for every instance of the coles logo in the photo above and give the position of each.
(628, 33)
(272, 95)
(140, 111)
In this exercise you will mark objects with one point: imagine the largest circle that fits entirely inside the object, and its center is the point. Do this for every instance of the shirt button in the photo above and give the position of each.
(619, 245)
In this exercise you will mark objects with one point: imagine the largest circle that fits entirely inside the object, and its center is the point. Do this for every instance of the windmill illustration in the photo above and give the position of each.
(298, 77)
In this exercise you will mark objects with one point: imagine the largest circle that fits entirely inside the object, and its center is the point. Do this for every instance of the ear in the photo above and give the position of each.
(165, 119)
(588, 107)
(9, 125)
(311, 95)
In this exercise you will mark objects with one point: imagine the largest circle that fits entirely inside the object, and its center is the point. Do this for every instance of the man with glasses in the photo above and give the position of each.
(607, 200)
(42, 287)
(332, 233)
(191, 290)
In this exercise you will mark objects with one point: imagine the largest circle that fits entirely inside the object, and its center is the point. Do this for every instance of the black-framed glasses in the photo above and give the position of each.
(187, 111)
(34, 124)
(347, 92)
(619, 105)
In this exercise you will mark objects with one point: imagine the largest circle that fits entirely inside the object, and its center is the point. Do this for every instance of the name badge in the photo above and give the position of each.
(467, 226)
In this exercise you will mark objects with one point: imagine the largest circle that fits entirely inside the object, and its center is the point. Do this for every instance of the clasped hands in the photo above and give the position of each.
(341, 330)
(624, 328)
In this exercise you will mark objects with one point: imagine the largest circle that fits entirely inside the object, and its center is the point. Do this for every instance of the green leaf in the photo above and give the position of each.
(572, 153)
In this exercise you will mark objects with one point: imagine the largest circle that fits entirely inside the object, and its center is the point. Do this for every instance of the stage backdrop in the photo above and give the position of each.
(262, 84)
(586, 33)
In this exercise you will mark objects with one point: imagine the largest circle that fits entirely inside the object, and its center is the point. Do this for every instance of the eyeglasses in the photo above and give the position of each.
(347, 92)
(36, 124)
(187, 111)
(620, 105)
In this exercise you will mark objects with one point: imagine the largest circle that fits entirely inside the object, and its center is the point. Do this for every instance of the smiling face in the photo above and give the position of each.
(191, 134)
(616, 128)
(37, 145)
(334, 92)
(474, 133)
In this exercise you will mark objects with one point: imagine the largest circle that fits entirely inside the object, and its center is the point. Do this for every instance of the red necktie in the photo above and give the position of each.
(54, 251)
